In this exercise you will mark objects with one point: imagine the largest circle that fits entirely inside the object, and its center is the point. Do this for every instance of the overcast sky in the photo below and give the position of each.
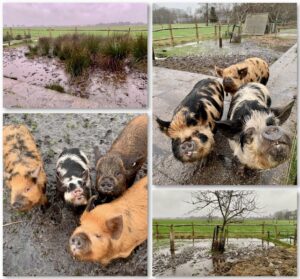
(170, 203)
(63, 14)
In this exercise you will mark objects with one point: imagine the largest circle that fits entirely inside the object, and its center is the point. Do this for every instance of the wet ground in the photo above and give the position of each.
(122, 90)
(202, 57)
(38, 243)
(197, 260)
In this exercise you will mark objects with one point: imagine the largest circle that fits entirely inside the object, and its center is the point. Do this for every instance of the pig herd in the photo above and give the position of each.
(252, 125)
(114, 208)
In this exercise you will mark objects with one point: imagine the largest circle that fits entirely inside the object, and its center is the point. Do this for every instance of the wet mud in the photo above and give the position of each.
(202, 58)
(241, 257)
(37, 244)
(127, 89)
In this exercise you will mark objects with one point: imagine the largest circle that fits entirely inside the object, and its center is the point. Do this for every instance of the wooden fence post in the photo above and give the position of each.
(220, 36)
(216, 31)
(276, 232)
(128, 34)
(172, 239)
(156, 232)
(108, 30)
(197, 34)
(295, 237)
(171, 34)
(193, 233)
(263, 229)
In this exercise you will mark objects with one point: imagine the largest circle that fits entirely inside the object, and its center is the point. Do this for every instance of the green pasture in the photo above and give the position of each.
(37, 32)
(248, 228)
(163, 38)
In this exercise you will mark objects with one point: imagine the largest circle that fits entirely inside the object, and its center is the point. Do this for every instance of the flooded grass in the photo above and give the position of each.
(196, 259)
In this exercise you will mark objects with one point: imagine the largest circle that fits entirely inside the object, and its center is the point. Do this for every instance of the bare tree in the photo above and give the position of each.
(229, 204)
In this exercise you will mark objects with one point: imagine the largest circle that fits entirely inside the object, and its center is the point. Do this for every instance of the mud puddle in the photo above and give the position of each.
(197, 260)
(128, 89)
(37, 244)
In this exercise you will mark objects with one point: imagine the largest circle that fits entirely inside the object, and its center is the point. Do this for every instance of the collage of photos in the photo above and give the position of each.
(150, 139)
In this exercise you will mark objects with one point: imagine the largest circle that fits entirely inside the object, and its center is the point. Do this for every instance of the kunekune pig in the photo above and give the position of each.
(192, 126)
(112, 230)
(253, 128)
(116, 170)
(73, 177)
(250, 70)
(23, 168)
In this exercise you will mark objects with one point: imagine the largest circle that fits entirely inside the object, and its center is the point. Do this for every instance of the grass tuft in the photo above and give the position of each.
(55, 86)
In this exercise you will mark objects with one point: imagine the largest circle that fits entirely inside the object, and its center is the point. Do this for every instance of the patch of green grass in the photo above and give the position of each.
(292, 173)
(55, 86)
(248, 228)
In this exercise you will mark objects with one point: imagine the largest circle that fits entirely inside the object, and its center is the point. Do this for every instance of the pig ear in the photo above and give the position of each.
(85, 175)
(229, 128)
(90, 205)
(219, 71)
(35, 174)
(115, 226)
(283, 113)
(163, 125)
(243, 72)
(97, 153)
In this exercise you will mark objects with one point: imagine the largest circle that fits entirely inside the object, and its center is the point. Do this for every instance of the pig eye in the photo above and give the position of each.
(27, 189)
(134, 164)
(118, 173)
(98, 235)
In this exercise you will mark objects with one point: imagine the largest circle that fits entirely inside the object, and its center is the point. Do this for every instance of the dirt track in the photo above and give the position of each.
(38, 245)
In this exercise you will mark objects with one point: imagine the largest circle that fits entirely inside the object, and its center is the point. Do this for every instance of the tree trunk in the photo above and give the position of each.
(218, 244)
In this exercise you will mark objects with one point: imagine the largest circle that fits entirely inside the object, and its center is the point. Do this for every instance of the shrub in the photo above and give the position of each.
(140, 48)
(18, 37)
(44, 45)
(32, 51)
(78, 62)
(55, 86)
(91, 43)
(7, 37)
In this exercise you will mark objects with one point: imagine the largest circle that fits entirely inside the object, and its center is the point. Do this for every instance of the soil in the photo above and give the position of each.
(210, 55)
(122, 89)
(242, 257)
(37, 245)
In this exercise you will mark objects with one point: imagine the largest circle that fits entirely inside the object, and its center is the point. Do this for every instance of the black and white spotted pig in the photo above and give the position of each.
(253, 128)
(73, 177)
(192, 126)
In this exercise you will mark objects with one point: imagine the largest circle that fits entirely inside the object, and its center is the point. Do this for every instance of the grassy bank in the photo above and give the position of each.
(248, 228)
(81, 52)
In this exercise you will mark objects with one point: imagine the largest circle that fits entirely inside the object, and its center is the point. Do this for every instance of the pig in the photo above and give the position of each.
(23, 168)
(73, 177)
(112, 230)
(193, 126)
(250, 70)
(116, 170)
(253, 128)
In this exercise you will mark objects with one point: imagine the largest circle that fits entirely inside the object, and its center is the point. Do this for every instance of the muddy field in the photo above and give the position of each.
(242, 257)
(38, 243)
(202, 58)
(123, 90)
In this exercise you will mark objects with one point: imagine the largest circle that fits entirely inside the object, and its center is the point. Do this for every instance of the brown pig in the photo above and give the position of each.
(112, 230)
(23, 168)
(116, 170)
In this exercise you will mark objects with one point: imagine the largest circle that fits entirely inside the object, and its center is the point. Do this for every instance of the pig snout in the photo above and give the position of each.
(20, 202)
(187, 148)
(77, 192)
(79, 243)
(107, 184)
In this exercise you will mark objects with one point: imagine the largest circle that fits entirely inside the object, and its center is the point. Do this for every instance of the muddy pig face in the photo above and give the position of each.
(261, 143)
(233, 77)
(76, 189)
(92, 240)
(111, 176)
(25, 190)
(189, 144)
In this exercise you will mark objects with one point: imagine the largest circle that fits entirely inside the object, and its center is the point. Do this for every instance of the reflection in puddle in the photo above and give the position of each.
(197, 260)
(128, 89)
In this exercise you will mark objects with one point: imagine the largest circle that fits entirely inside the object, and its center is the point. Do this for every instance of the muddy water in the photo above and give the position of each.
(197, 260)
(120, 90)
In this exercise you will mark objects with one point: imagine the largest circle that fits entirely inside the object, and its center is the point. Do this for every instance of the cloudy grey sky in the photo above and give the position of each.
(64, 14)
(170, 203)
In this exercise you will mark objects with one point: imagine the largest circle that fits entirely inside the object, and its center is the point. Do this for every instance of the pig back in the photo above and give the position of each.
(132, 141)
